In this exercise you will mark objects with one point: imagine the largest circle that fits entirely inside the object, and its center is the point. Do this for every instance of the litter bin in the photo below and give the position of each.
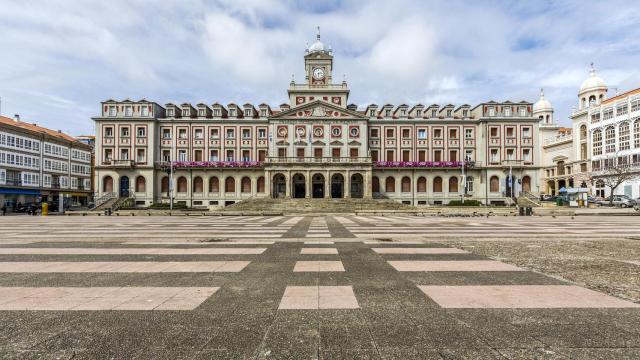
(45, 209)
(528, 211)
(521, 211)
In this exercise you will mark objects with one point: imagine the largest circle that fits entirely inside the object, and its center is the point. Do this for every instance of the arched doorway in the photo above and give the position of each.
(526, 184)
(317, 186)
(357, 186)
(107, 184)
(337, 186)
(299, 185)
(279, 186)
(124, 186)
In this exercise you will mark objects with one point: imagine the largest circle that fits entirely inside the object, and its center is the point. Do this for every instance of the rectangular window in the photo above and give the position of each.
(422, 155)
(353, 153)
(468, 133)
(511, 132)
(112, 111)
(108, 155)
(374, 133)
(246, 155)
(166, 133)
(492, 111)
(282, 152)
(262, 133)
(406, 155)
(230, 134)
(493, 132)
(494, 156)
(246, 133)
(526, 132)
(214, 155)
(124, 132)
(374, 155)
(526, 155)
(202, 112)
(437, 133)
(507, 111)
(182, 133)
(248, 113)
(453, 155)
(390, 133)
(434, 113)
(317, 153)
(300, 153)
(418, 113)
(390, 156)
(453, 133)
(230, 155)
(141, 132)
(406, 133)
(144, 111)
(523, 111)
(140, 157)
(108, 132)
(169, 112)
(198, 134)
(422, 134)
(335, 152)
(166, 155)
(437, 155)
(128, 111)
(468, 155)
(216, 112)
(510, 154)
(124, 154)
(262, 155)
(197, 155)
(182, 155)
(214, 133)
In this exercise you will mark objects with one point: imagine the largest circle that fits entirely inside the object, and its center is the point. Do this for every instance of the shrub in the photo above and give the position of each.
(465, 203)
(164, 206)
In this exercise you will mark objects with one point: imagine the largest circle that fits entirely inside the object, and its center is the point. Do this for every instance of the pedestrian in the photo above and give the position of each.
(4, 209)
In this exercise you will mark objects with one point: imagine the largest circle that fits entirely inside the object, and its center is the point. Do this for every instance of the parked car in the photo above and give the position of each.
(545, 197)
(622, 201)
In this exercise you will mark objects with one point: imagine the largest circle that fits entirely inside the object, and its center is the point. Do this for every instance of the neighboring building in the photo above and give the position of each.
(37, 163)
(605, 132)
(316, 145)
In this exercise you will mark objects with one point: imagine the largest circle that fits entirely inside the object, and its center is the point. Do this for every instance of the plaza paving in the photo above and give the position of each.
(310, 287)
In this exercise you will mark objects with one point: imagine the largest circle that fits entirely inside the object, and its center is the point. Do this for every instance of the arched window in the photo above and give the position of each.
(526, 184)
(406, 184)
(182, 184)
(107, 184)
(583, 132)
(390, 184)
(245, 185)
(437, 184)
(164, 185)
(141, 184)
(453, 184)
(636, 134)
(375, 184)
(230, 184)
(422, 184)
(214, 185)
(260, 184)
(625, 136)
(494, 184)
(198, 185)
(469, 180)
(610, 140)
(596, 142)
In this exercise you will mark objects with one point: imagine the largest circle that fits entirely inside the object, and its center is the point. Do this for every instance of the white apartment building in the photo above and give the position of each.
(39, 164)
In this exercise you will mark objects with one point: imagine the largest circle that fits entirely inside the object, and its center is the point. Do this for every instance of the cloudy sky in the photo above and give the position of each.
(61, 58)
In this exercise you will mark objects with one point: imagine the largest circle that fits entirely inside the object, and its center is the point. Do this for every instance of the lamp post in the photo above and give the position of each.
(169, 170)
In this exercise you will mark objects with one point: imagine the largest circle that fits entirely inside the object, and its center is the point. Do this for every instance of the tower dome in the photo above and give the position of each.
(542, 104)
(593, 82)
(318, 46)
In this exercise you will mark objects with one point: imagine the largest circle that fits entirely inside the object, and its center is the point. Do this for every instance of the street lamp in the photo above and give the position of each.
(169, 170)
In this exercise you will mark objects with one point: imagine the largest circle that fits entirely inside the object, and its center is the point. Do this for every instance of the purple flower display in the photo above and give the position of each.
(217, 164)
(424, 164)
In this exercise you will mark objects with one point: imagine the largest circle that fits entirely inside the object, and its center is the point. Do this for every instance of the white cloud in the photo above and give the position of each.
(62, 58)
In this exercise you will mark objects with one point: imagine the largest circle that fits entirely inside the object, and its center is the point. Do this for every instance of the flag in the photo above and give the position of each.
(510, 182)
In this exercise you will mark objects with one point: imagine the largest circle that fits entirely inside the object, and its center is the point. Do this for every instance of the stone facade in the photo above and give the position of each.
(317, 145)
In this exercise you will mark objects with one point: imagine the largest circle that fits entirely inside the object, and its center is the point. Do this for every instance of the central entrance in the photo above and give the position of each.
(337, 186)
(279, 186)
(317, 186)
(357, 186)
(299, 186)
(124, 186)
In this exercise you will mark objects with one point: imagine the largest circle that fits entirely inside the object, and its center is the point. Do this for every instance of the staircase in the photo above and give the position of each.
(113, 202)
(527, 199)
(297, 206)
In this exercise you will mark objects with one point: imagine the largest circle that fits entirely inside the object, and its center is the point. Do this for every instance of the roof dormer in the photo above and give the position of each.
(284, 107)
(402, 111)
(203, 110)
(417, 111)
(446, 112)
(371, 110)
(188, 111)
(352, 107)
(173, 111)
(249, 112)
(432, 111)
(265, 110)
(386, 111)
(218, 111)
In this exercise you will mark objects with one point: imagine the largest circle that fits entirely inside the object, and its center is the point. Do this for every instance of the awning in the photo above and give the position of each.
(19, 191)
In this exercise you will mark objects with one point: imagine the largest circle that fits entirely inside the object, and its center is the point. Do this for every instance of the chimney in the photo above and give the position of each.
(16, 117)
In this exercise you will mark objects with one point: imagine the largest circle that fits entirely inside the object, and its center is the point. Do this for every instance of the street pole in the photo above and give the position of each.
(171, 185)
(464, 183)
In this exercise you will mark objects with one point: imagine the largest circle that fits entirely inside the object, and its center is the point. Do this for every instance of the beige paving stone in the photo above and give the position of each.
(522, 296)
(319, 251)
(131, 251)
(316, 266)
(318, 297)
(462, 265)
(122, 266)
(390, 250)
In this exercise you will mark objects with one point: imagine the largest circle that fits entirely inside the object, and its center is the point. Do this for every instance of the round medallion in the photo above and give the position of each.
(282, 131)
(318, 132)
(336, 131)
(354, 132)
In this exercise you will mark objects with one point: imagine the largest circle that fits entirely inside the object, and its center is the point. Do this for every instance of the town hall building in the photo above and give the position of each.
(316, 145)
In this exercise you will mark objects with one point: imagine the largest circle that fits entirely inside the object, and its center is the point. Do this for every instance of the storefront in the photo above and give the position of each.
(14, 197)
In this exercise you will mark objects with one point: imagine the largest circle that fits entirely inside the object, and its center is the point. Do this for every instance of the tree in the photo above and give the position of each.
(615, 171)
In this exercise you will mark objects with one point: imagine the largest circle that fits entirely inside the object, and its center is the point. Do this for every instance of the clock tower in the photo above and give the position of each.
(318, 61)
(318, 86)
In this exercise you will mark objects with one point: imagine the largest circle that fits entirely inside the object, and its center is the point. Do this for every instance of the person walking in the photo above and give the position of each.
(4, 209)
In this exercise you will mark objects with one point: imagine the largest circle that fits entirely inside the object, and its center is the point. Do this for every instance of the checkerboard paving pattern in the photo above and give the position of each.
(121, 266)
(130, 251)
(419, 251)
(318, 297)
(319, 251)
(453, 265)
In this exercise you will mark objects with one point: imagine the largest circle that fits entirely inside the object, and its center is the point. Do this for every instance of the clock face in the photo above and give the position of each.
(318, 73)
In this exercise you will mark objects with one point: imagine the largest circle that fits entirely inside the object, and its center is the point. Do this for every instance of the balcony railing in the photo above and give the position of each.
(426, 164)
(14, 182)
(119, 163)
(209, 164)
(318, 160)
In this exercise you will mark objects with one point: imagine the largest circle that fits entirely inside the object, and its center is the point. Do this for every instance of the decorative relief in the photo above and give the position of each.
(282, 131)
